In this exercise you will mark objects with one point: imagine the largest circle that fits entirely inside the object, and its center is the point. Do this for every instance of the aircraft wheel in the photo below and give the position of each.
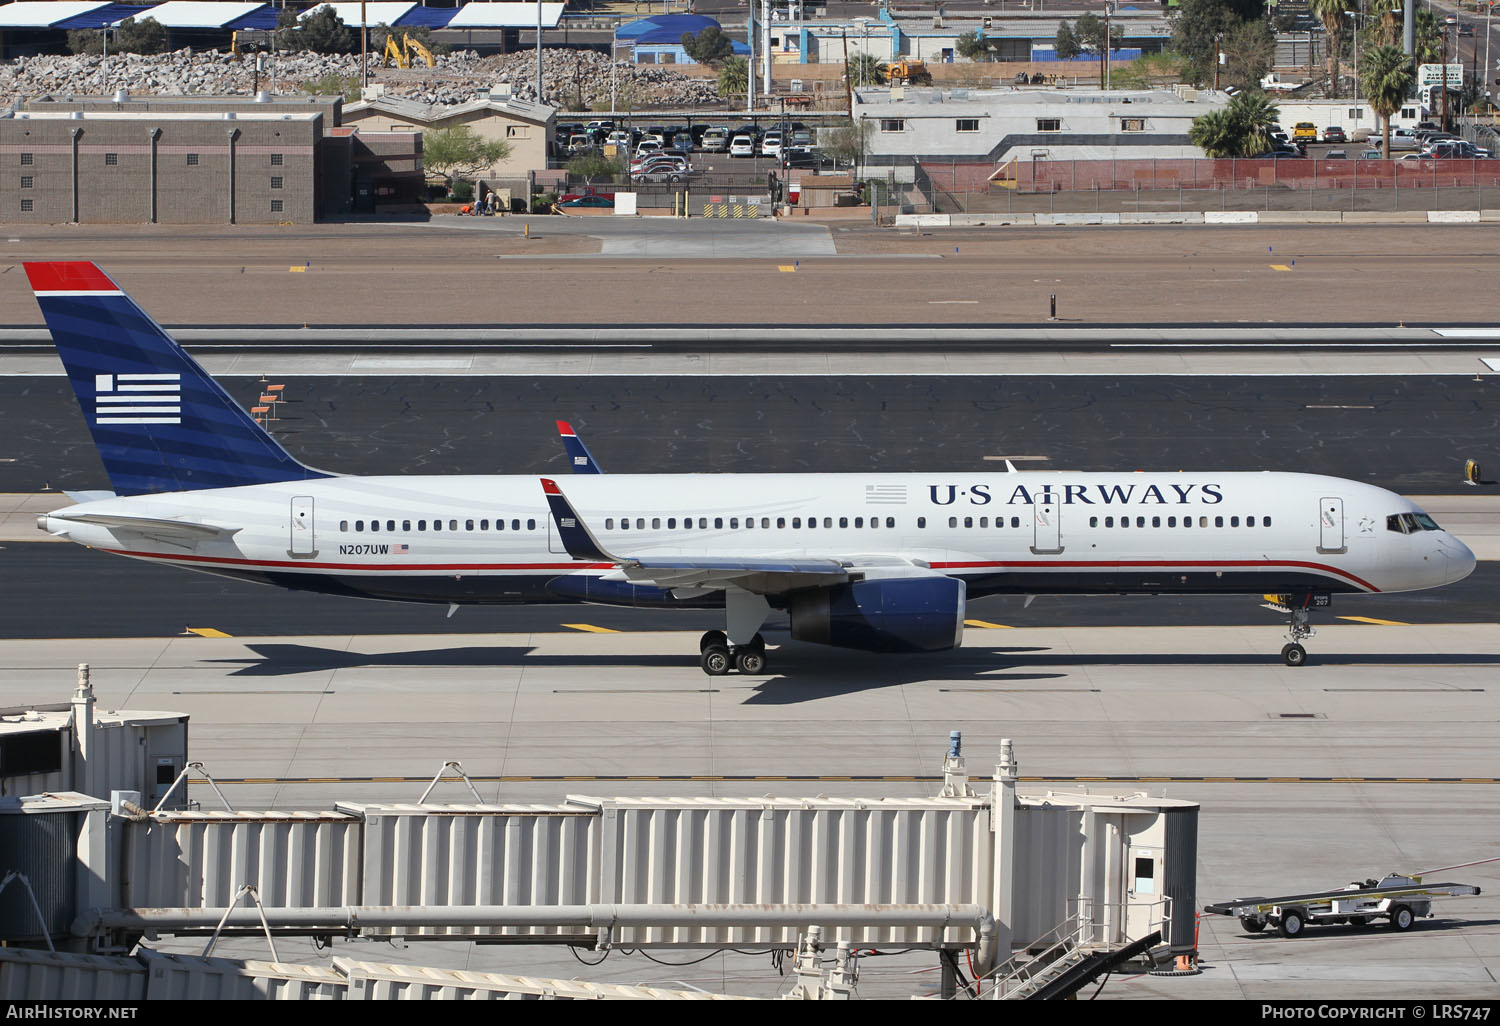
(1402, 918)
(1291, 922)
(750, 661)
(715, 660)
(1252, 925)
(712, 638)
(1294, 654)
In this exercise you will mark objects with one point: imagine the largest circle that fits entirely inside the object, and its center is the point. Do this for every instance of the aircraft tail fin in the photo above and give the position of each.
(160, 422)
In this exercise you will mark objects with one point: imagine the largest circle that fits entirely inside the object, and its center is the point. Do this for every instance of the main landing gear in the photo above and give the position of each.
(718, 657)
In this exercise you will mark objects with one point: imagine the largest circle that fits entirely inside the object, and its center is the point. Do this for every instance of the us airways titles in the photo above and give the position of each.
(1082, 494)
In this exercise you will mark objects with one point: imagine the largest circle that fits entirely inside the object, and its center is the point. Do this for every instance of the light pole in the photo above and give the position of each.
(1448, 24)
(1488, 11)
(1109, 9)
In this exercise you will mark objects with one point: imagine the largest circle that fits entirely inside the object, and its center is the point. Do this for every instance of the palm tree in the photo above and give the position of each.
(734, 77)
(1242, 129)
(865, 70)
(1429, 33)
(1387, 76)
(1215, 134)
(1332, 14)
(1385, 20)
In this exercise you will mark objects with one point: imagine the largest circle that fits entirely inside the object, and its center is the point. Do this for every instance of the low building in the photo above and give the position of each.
(1021, 36)
(658, 39)
(121, 167)
(911, 125)
(526, 127)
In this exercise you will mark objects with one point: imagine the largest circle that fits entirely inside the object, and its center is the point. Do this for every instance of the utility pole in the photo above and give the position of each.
(539, 51)
(750, 64)
(765, 27)
(364, 49)
(1218, 57)
(848, 79)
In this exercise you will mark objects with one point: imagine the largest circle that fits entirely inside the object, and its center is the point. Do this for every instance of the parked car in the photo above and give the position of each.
(716, 140)
(1304, 131)
(806, 158)
(646, 147)
(682, 141)
(661, 173)
(1336, 155)
(579, 142)
(741, 146)
(1401, 139)
(770, 144)
(1370, 155)
(1334, 134)
(589, 201)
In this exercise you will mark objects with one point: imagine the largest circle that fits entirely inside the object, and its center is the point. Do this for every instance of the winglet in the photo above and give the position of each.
(578, 454)
(576, 537)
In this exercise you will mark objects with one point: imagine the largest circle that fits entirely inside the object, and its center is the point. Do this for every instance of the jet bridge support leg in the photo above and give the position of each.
(741, 646)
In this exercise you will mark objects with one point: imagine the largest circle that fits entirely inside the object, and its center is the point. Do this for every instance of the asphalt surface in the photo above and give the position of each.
(1409, 434)
(432, 275)
(55, 590)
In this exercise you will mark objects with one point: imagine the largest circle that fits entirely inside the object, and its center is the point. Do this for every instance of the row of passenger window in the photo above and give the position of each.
(374, 526)
(734, 523)
(1186, 521)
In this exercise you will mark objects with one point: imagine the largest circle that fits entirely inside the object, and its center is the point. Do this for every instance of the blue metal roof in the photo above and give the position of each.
(99, 17)
(432, 17)
(664, 28)
(260, 18)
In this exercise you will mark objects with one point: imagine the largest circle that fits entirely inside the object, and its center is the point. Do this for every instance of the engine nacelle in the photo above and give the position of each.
(903, 614)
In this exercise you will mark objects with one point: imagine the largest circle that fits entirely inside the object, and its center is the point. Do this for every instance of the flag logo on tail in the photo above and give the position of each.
(138, 398)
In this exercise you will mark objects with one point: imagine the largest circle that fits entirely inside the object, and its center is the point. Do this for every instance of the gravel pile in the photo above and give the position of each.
(571, 79)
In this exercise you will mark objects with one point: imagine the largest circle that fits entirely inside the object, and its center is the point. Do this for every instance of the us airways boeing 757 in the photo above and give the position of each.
(873, 561)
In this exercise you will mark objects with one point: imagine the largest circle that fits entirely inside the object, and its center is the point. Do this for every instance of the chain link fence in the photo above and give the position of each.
(1122, 186)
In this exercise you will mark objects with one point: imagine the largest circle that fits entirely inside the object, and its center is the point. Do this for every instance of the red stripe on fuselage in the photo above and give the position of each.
(975, 565)
(68, 276)
(1215, 564)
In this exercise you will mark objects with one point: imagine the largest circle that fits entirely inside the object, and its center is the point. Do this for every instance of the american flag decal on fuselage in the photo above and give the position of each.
(885, 495)
(138, 398)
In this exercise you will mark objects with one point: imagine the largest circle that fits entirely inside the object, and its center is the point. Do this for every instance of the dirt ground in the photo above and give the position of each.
(424, 275)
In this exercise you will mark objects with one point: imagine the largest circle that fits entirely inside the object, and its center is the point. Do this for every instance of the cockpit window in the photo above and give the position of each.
(1393, 523)
(1428, 524)
(1412, 527)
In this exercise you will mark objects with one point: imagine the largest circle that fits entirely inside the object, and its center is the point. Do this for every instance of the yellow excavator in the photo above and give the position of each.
(406, 51)
(908, 72)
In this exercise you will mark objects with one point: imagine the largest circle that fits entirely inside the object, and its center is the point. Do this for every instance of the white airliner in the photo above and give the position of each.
(880, 562)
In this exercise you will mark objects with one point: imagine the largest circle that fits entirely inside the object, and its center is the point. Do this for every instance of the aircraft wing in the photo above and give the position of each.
(153, 526)
(767, 575)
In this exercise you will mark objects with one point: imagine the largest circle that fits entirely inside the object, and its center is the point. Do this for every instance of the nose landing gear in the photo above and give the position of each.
(1298, 628)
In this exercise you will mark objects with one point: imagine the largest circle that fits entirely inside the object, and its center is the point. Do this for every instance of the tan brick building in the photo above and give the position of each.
(124, 167)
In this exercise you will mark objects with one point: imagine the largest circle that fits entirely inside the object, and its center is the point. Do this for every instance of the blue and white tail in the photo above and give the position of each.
(160, 422)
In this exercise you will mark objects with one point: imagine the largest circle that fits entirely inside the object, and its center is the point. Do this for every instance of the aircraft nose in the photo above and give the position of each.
(1459, 557)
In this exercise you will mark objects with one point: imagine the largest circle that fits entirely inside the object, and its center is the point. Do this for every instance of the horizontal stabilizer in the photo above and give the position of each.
(149, 525)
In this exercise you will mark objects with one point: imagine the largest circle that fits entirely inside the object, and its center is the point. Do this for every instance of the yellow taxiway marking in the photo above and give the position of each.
(590, 628)
(986, 623)
(1371, 619)
(1280, 267)
(787, 268)
(207, 632)
(296, 270)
